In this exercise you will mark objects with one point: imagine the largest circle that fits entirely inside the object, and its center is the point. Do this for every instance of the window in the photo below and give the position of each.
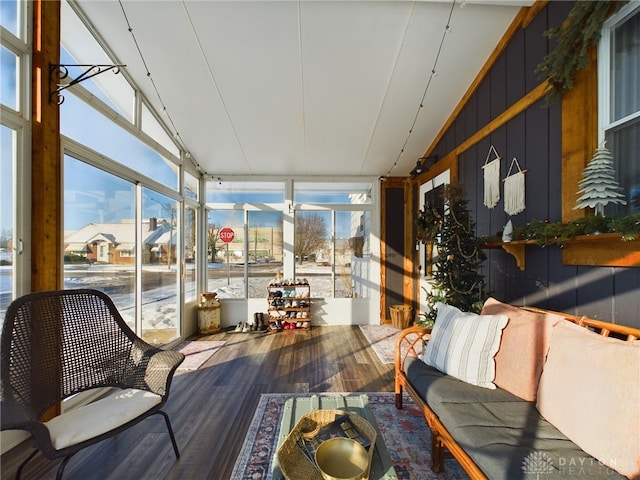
(14, 55)
(10, 15)
(128, 230)
(159, 268)
(190, 259)
(110, 139)
(619, 81)
(324, 234)
(226, 259)
(191, 187)
(7, 162)
(80, 47)
(100, 234)
(331, 238)
(253, 210)
(9, 91)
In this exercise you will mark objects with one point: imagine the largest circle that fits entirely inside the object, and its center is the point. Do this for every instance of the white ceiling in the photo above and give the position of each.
(305, 87)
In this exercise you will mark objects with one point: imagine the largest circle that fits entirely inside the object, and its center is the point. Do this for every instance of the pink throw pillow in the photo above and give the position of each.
(523, 349)
(590, 390)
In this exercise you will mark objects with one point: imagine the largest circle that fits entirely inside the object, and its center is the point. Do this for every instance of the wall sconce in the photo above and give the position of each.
(420, 165)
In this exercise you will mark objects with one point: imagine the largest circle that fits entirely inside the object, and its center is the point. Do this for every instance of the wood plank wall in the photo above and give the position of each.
(505, 108)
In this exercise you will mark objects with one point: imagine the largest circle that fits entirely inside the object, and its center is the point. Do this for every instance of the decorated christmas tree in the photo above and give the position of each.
(456, 277)
(599, 185)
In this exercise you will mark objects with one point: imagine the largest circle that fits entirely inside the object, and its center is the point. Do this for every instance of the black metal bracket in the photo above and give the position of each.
(58, 72)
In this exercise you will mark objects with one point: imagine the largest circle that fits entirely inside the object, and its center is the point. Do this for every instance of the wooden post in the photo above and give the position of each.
(46, 158)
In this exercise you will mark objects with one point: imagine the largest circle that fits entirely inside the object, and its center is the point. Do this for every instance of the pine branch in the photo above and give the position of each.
(581, 31)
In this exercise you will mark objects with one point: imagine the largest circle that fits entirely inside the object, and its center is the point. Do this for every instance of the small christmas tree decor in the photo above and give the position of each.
(457, 278)
(598, 185)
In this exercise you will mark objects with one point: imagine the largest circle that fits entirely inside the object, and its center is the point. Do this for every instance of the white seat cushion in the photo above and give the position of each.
(99, 417)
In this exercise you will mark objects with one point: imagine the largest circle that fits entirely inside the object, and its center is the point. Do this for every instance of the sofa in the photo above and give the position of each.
(524, 393)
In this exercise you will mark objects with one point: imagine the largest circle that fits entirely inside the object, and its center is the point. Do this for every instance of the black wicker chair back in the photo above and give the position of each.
(57, 344)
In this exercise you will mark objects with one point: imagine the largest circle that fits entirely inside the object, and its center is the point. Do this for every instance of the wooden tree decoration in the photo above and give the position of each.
(599, 185)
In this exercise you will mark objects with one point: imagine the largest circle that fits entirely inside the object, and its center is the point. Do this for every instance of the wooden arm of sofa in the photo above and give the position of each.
(603, 328)
(410, 342)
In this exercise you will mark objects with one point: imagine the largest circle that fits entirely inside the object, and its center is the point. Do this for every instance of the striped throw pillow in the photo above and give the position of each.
(464, 345)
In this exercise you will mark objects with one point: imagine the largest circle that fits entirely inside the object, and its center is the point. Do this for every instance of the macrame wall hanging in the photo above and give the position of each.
(491, 178)
(514, 190)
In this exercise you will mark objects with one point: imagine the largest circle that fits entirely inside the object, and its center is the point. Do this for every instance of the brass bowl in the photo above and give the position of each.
(342, 458)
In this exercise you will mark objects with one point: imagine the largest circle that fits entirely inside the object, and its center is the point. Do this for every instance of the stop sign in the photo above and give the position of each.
(226, 235)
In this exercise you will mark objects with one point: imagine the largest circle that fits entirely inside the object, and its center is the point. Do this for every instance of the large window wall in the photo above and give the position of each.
(316, 231)
(131, 206)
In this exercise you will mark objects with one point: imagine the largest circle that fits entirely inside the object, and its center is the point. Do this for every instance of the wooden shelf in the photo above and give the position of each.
(516, 249)
(606, 249)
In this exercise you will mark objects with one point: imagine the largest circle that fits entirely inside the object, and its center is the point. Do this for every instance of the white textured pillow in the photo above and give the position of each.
(464, 345)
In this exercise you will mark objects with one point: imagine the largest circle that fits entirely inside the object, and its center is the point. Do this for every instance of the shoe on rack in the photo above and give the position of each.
(245, 328)
(273, 327)
(239, 327)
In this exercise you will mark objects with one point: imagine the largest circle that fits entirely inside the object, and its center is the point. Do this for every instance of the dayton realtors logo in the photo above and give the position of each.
(540, 464)
(537, 463)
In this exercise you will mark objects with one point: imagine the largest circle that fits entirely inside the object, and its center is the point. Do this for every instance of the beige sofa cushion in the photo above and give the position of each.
(523, 349)
(590, 390)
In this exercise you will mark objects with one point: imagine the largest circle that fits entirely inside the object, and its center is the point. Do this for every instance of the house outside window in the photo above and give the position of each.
(619, 101)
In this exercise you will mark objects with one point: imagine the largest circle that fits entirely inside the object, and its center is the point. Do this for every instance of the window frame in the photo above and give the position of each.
(604, 69)
(606, 124)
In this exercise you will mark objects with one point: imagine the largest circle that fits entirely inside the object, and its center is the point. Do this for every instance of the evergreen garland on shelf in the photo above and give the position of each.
(456, 277)
(546, 233)
(581, 31)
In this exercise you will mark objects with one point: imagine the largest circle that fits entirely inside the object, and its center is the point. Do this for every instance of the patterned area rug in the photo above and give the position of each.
(382, 339)
(197, 352)
(405, 434)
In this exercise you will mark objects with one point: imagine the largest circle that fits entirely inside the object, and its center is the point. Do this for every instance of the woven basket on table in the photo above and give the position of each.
(295, 465)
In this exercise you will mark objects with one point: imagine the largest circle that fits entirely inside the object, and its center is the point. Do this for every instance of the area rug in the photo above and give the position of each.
(382, 339)
(197, 352)
(405, 434)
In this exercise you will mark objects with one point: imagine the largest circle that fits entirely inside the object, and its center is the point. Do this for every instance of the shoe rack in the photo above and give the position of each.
(289, 305)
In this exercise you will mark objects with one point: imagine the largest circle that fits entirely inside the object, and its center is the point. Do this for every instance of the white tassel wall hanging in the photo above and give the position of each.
(491, 179)
(514, 190)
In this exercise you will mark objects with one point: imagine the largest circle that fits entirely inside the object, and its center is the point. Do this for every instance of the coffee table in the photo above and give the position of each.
(296, 407)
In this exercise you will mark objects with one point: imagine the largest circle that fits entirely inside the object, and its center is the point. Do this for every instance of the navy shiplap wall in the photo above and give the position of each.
(534, 138)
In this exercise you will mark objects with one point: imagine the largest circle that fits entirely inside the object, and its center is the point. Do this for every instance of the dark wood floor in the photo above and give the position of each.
(211, 408)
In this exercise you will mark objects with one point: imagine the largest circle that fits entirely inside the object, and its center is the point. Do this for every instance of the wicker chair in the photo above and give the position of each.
(57, 344)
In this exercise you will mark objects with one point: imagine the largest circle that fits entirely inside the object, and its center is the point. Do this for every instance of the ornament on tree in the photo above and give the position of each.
(599, 185)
